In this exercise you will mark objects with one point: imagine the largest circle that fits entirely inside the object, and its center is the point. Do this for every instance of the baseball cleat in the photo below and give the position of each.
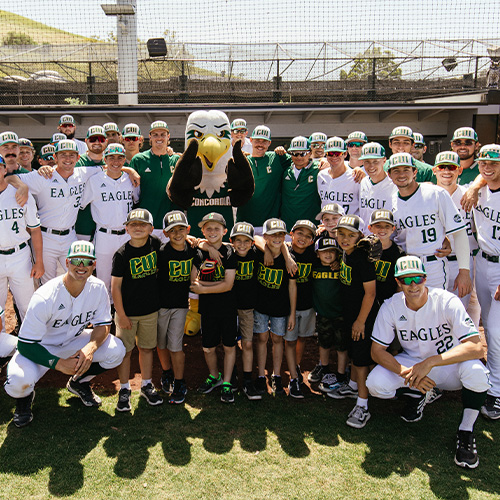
(148, 392)
(84, 392)
(433, 395)
(123, 403)
(491, 407)
(23, 414)
(358, 417)
(466, 454)
(414, 409)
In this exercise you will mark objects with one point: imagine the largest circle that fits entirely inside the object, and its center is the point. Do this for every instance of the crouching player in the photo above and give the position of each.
(441, 346)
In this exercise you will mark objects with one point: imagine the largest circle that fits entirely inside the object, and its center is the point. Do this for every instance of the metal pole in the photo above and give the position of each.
(127, 56)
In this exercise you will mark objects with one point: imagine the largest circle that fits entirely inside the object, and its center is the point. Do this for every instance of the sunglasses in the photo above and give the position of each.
(411, 279)
(239, 130)
(488, 154)
(80, 260)
(334, 153)
(131, 139)
(67, 125)
(97, 138)
(418, 146)
(354, 144)
(463, 143)
(452, 168)
(299, 153)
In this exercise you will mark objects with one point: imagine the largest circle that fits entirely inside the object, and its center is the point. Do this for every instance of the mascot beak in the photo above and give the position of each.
(211, 149)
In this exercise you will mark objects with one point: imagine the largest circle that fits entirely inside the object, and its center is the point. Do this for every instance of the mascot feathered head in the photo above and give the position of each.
(212, 131)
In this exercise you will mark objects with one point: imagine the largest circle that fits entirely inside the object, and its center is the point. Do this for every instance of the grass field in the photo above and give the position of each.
(274, 448)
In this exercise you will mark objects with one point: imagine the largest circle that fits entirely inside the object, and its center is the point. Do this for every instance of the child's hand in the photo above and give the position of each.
(358, 330)
(123, 322)
(214, 254)
(291, 322)
(291, 266)
(192, 241)
(268, 257)
(196, 287)
(335, 265)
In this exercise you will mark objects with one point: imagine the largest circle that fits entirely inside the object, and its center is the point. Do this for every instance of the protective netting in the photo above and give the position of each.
(245, 51)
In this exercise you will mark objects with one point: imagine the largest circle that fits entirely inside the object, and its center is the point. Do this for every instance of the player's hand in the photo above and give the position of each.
(445, 249)
(37, 270)
(469, 199)
(463, 283)
(214, 254)
(358, 330)
(46, 171)
(291, 266)
(268, 257)
(291, 322)
(323, 163)
(123, 321)
(280, 150)
(85, 357)
(68, 365)
(425, 385)
(415, 374)
(22, 195)
(358, 174)
(497, 293)
(196, 287)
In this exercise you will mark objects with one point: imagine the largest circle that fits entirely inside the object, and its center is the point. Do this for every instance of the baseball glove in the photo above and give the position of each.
(372, 246)
(207, 270)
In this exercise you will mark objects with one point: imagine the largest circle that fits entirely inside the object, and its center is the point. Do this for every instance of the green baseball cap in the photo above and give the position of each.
(114, 149)
(372, 151)
(96, 130)
(6, 137)
(261, 132)
(158, 125)
(401, 160)
(131, 130)
(489, 152)
(47, 151)
(66, 145)
(111, 127)
(409, 264)
(447, 157)
(81, 249)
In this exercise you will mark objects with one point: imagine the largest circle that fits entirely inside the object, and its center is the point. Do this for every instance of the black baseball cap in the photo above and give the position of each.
(139, 215)
(304, 223)
(174, 218)
(382, 216)
(350, 222)
(272, 226)
(212, 217)
(325, 244)
(243, 229)
(331, 208)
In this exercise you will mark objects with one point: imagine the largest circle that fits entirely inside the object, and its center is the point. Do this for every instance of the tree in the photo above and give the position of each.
(385, 66)
(14, 38)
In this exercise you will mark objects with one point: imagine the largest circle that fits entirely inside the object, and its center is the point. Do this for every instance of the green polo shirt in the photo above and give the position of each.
(19, 170)
(265, 202)
(299, 197)
(155, 172)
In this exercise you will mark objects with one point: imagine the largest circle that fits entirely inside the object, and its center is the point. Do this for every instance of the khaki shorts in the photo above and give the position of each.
(143, 332)
(171, 328)
(245, 324)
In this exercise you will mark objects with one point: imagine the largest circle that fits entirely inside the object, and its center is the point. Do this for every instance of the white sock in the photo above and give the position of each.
(468, 419)
(146, 382)
(353, 385)
(362, 402)
(126, 385)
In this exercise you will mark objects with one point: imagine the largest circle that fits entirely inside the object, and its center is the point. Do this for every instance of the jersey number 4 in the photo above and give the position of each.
(15, 227)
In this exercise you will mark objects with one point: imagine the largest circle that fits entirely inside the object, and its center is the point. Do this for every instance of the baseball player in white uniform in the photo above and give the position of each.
(336, 184)
(441, 346)
(376, 190)
(111, 196)
(54, 334)
(17, 225)
(424, 214)
(487, 222)
(239, 131)
(58, 200)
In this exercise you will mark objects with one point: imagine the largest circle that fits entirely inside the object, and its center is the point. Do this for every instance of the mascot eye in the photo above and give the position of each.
(198, 134)
(222, 133)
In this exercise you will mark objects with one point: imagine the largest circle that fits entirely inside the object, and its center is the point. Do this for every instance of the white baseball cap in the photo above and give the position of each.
(335, 144)
(372, 151)
(409, 264)
(401, 160)
(465, 133)
(238, 123)
(357, 135)
(418, 138)
(261, 132)
(447, 157)
(299, 143)
(317, 137)
(402, 131)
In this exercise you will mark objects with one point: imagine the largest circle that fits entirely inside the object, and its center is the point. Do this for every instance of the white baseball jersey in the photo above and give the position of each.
(111, 199)
(58, 199)
(15, 219)
(375, 197)
(424, 219)
(342, 190)
(54, 317)
(81, 145)
(466, 217)
(442, 323)
(487, 221)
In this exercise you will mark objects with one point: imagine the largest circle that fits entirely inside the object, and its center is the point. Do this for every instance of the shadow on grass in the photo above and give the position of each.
(60, 438)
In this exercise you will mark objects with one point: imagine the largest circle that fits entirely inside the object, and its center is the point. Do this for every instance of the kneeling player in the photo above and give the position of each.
(441, 346)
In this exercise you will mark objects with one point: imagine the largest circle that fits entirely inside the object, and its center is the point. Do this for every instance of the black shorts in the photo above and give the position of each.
(332, 333)
(360, 350)
(217, 328)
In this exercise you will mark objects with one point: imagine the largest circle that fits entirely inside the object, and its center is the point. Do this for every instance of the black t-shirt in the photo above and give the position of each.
(217, 304)
(386, 284)
(174, 276)
(138, 267)
(272, 296)
(355, 269)
(305, 262)
(245, 282)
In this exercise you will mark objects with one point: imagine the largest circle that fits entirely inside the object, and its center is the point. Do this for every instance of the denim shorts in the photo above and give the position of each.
(263, 322)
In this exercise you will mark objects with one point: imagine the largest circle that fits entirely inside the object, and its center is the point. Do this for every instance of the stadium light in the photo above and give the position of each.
(112, 9)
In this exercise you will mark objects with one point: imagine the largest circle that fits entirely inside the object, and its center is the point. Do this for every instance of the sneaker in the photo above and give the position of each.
(261, 385)
(124, 400)
(226, 393)
(316, 375)
(149, 393)
(299, 374)
(294, 389)
(414, 409)
(23, 414)
(466, 454)
(343, 391)
(277, 385)
(210, 384)
(358, 417)
(234, 380)
(433, 395)
(167, 381)
(84, 392)
(491, 407)
(250, 390)
(329, 383)
(179, 392)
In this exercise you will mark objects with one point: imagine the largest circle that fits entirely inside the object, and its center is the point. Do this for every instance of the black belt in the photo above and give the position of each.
(112, 231)
(12, 250)
(452, 258)
(431, 258)
(491, 258)
(58, 232)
